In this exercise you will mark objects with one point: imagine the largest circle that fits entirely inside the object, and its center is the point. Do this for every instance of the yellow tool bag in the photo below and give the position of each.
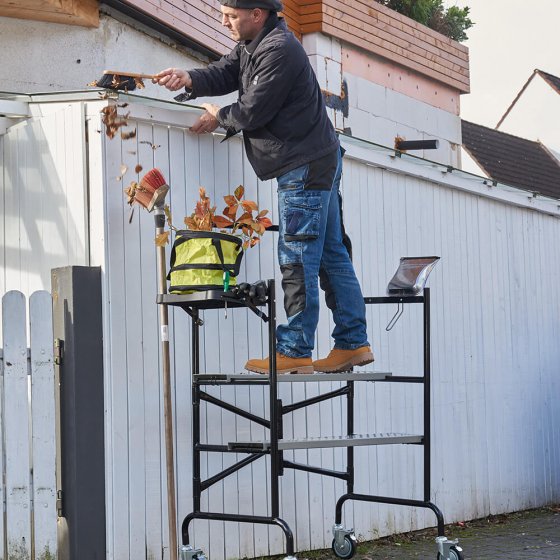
(204, 260)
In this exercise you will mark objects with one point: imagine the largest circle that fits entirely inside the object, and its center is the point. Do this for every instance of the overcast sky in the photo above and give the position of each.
(509, 40)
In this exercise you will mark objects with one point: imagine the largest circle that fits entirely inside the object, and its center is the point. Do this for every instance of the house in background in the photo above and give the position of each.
(510, 160)
(535, 111)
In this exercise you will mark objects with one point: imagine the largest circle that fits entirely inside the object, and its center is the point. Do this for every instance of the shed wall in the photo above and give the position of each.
(494, 346)
(495, 358)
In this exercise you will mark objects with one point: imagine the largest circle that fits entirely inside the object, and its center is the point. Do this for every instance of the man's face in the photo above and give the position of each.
(244, 25)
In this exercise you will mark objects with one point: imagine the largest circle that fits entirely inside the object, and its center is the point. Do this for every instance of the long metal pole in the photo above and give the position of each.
(275, 415)
(159, 217)
(427, 399)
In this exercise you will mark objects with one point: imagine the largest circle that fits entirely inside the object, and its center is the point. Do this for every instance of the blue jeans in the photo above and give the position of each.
(310, 246)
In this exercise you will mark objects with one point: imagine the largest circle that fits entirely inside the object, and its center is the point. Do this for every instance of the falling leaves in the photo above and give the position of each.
(153, 146)
(124, 169)
(130, 192)
(162, 239)
(112, 120)
(128, 135)
(138, 168)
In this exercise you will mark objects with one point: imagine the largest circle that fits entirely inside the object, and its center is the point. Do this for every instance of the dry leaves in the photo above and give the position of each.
(162, 239)
(138, 168)
(112, 120)
(124, 169)
(153, 146)
(251, 227)
(128, 135)
(130, 192)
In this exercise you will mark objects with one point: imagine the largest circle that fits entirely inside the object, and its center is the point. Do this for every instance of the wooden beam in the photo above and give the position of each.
(73, 12)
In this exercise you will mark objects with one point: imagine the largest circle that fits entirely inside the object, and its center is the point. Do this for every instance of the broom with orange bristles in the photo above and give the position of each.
(151, 191)
(151, 195)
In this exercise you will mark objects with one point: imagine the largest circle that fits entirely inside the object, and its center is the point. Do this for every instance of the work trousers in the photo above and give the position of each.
(310, 246)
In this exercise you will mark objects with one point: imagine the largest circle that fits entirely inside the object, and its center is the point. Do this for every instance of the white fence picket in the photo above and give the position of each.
(27, 428)
(43, 425)
(16, 427)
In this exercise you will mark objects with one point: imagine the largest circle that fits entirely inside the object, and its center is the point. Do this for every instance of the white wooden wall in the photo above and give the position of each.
(495, 326)
(27, 426)
(43, 215)
(494, 320)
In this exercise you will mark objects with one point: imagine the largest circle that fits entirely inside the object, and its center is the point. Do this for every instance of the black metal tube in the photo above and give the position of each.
(350, 430)
(393, 299)
(417, 145)
(195, 413)
(315, 470)
(239, 411)
(314, 400)
(427, 403)
(230, 470)
(240, 519)
(393, 501)
(401, 379)
(275, 456)
(207, 448)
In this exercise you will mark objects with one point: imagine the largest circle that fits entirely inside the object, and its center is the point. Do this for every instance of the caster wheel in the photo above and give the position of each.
(455, 553)
(348, 549)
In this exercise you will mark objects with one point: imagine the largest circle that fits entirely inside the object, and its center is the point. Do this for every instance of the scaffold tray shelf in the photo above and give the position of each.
(329, 441)
(259, 379)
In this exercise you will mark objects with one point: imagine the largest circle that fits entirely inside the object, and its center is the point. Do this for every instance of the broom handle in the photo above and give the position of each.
(159, 217)
(129, 74)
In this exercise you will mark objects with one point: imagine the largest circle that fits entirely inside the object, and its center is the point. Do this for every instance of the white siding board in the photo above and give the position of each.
(2, 289)
(132, 295)
(119, 515)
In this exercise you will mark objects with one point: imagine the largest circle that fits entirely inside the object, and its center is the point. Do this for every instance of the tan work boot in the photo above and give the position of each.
(340, 360)
(284, 364)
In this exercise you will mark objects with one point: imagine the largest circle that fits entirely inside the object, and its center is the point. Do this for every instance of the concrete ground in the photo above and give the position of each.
(527, 535)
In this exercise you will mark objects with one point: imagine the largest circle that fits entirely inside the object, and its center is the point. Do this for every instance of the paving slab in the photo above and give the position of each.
(527, 535)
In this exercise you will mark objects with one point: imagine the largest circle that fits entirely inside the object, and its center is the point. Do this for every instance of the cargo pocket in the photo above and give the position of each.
(302, 217)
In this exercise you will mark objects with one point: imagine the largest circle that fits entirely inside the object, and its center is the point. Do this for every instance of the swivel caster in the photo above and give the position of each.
(448, 550)
(344, 544)
(188, 552)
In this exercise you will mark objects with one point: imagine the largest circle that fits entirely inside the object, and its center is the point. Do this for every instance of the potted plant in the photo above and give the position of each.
(205, 259)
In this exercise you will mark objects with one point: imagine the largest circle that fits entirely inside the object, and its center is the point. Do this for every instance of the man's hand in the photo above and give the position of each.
(173, 79)
(208, 122)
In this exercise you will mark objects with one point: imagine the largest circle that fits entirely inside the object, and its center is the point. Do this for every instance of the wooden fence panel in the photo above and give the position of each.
(16, 426)
(29, 527)
(43, 425)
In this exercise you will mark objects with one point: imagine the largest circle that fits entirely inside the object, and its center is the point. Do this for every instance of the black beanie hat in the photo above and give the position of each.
(272, 5)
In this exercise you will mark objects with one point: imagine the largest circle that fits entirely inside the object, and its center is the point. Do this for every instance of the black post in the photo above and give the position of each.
(275, 416)
(427, 404)
(196, 410)
(350, 430)
(78, 328)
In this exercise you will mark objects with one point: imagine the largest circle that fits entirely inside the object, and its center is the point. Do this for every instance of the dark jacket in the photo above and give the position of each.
(280, 107)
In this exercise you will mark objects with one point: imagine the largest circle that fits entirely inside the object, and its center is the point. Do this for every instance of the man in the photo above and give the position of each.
(287, 136)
